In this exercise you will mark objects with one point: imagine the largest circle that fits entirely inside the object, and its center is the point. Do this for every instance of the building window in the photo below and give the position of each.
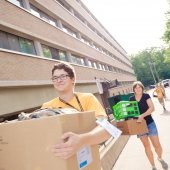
(85, 41)
(100, 66)
(77, 60)
(26, 46)
(17, 2)
(4, 40)
(54, 53)
(46, 51)
(96, 47)
(62, 56)
(106, 67)
(79, 17)
(53, 22)
(63, 4)
(94, 65)
(90, 63)
(35, 11)
(103, 67)
(110, 68)
(69, 31)
(45, 17)
(15, 43)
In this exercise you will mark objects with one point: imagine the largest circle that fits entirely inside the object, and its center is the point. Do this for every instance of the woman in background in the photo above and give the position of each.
(160, 92)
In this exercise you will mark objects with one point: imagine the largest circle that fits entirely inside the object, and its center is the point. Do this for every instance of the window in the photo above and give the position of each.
(92, 28)
(77, 60)
(96, 47)
(17, 2)
(110, 68)
(26, 46)
(79, 17)
(44, 16)
(90, 63)
(13, 42)
(54, 53)
(16, 43)
(46, 51)
(4, 40)
(63, 4)
(103, 67)
(106, 67)
(53, 22)
(62, 56)
(94, 65)
(35, 11)
(64, 29)
(69, 31)
(100, 66)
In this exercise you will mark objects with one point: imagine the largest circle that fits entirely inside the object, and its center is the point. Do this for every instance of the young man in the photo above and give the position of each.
(63, 78)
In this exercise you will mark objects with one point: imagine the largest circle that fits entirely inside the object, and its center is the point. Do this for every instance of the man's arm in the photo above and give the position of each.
(73, 142)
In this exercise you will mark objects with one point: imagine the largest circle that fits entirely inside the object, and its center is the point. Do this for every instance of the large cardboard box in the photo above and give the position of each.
(132, 127)
(26, 145)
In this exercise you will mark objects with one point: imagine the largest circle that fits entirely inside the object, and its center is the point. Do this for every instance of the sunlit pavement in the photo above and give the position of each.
(133, 156)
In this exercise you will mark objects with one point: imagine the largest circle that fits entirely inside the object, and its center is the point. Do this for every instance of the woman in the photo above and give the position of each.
(160, 91)
(146, 107)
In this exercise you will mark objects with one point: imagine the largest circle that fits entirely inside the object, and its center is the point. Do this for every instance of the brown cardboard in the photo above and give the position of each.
(26, 145)
(131, 127)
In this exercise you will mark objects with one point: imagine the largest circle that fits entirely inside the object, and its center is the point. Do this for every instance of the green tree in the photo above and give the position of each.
(153, 59)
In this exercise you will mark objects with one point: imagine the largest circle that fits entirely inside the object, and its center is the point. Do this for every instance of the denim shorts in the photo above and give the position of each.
(152, 130)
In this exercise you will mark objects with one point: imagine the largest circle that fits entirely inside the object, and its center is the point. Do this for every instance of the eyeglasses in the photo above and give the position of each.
(62, 77)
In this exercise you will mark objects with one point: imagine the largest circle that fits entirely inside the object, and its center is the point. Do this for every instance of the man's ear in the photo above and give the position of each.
(73, 80)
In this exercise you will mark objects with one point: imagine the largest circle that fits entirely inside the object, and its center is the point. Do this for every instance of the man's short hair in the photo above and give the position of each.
(66, 67)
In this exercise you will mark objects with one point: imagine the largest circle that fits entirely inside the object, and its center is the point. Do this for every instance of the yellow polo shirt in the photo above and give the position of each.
(88, 101)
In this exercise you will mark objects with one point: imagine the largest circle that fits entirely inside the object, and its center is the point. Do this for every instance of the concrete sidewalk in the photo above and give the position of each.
(133, 155)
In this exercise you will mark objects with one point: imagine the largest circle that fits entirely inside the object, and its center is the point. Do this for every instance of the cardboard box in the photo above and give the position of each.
(131, 127)
(26, 145)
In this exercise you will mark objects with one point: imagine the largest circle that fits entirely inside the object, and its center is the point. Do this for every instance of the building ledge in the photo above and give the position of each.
(16, 83)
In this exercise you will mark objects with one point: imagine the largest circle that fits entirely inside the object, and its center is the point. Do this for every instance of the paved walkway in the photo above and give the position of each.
(133, 156)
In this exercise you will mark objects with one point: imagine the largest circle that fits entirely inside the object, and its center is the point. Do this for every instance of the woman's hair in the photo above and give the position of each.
(66, 67)
(139, 84)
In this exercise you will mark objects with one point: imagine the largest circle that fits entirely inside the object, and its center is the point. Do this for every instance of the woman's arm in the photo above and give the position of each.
(73, 142)
(148, 112)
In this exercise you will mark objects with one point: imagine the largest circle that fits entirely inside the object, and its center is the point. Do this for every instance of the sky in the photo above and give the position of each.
(135, 24)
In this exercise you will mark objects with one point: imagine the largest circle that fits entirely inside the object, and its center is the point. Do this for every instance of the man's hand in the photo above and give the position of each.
(72, 143)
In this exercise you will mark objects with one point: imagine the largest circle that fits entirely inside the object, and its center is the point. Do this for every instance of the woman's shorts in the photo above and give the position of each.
(152, 130)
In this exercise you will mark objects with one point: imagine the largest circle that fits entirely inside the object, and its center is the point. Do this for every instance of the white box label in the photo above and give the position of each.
(114, 131)
(84, 157)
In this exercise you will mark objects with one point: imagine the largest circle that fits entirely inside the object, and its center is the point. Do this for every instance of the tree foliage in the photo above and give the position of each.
(153, 60)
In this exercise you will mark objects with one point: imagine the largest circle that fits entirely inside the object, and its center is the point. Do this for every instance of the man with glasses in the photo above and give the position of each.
(63, 78)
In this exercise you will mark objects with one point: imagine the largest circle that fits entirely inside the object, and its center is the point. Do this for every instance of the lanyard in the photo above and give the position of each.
(78, 101)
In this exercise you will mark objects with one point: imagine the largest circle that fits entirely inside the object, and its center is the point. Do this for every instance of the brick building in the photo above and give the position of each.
(36, 34)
